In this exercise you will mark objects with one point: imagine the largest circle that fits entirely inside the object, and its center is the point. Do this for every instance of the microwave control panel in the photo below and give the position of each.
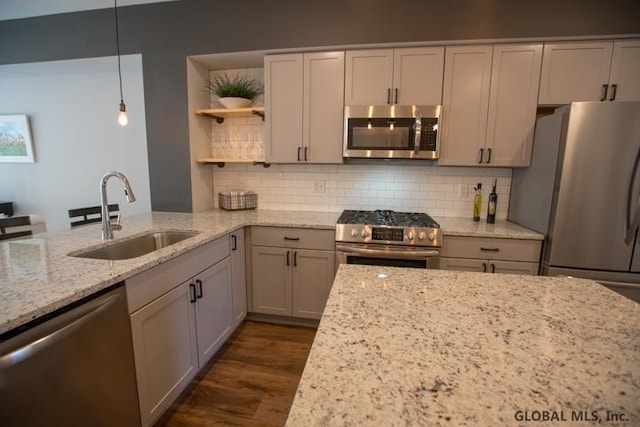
(429, 136)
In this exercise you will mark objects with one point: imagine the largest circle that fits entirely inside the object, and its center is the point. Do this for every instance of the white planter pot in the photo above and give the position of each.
(234, 102)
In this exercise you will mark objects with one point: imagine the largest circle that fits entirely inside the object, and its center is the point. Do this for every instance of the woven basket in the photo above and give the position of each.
(237, 200)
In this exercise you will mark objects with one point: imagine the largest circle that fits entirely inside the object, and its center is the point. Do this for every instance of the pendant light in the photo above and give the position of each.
(122, 115)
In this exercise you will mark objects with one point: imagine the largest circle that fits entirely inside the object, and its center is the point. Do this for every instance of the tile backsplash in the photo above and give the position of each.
(437, 190)
(238, 138)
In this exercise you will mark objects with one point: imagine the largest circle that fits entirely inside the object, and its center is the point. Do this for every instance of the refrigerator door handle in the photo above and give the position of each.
(632, 224)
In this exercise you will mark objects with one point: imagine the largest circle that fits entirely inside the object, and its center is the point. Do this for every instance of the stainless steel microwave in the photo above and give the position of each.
(391, 131)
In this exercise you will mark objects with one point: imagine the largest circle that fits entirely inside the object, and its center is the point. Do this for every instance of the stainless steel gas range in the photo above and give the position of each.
(388, 238)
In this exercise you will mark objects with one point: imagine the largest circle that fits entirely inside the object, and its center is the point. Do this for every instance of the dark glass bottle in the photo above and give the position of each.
(493, 201)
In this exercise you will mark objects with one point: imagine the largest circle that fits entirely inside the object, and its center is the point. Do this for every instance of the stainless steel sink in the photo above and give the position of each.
(137, 246)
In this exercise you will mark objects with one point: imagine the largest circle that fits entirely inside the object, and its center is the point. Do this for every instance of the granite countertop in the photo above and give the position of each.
(37, 276)
(500, 229)
(434, 347)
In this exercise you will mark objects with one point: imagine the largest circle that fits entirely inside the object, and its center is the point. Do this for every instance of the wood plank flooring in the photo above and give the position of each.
(250, 382)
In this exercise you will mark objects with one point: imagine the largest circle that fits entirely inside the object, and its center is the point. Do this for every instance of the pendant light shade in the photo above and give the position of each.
(122, 115)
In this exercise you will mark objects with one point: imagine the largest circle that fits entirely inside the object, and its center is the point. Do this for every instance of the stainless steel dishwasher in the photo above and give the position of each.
(75, 368)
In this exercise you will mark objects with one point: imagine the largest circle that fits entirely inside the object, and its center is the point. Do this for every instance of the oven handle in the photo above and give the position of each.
(351, 250)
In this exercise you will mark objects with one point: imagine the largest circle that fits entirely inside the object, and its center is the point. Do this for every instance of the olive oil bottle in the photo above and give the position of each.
(477, 202)
(493, 201)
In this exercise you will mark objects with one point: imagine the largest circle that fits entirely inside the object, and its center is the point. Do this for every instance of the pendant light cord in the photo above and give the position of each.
(115, 10)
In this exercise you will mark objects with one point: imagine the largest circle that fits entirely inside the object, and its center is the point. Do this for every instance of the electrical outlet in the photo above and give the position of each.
(319, 186)
(463, 191)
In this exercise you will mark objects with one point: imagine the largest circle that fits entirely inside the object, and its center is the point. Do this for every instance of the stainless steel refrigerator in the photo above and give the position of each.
(583, 191)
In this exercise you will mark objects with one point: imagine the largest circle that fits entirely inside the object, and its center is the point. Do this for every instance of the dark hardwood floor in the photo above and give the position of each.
(250, 382)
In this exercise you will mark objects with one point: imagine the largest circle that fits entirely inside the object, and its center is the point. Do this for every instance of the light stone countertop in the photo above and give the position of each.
(500, 229)
(37, 276)
(434, 347)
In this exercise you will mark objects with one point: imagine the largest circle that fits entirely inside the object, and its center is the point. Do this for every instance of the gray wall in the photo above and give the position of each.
(166, 33)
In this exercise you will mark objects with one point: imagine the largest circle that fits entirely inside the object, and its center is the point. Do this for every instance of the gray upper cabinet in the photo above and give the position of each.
(590, 71)
(304, 101)
(403, 76)
(489, 104)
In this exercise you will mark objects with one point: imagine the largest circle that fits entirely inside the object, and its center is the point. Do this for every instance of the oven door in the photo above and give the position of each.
(387, 255)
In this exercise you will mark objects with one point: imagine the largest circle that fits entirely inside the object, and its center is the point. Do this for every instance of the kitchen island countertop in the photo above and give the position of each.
(37, 276)
(431, 347)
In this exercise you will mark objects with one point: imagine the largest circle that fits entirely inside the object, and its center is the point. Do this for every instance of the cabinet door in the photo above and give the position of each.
(271, 275)
(625, 71)
(165, 350)
(465, 103)
(313, 273)
(323, 107)
(463, 264)
(368, 77)
(417, 75)
(213, 309)
(238, 277)
(574, 72)
(515, 78)
(283, 102)
(514, 267)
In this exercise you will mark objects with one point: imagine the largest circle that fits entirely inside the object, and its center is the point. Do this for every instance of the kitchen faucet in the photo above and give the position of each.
(107, 226)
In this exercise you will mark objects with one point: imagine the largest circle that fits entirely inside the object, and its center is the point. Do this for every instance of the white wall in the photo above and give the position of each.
(72, 107)
(436, 190)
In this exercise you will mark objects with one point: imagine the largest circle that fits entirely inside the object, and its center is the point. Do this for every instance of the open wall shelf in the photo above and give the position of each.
(220, 113)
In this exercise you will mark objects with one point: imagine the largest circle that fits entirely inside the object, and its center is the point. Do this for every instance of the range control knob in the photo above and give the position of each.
(410, 235)
(364, 233)
(354, 233)
(422, 235)
(431, 236)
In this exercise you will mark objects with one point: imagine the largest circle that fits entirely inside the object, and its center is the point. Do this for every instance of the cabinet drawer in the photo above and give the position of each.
(293, 237)
(489, 248)
(149, 285)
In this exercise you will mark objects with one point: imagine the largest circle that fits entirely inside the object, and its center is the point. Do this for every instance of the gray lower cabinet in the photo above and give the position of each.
(292, 271)
(491, 255)
(238, 276)
(181, 313)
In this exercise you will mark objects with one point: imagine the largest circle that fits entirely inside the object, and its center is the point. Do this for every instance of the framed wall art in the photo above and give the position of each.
(16, 145)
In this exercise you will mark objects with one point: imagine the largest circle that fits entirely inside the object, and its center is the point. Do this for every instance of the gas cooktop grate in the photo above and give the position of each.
(388, 218)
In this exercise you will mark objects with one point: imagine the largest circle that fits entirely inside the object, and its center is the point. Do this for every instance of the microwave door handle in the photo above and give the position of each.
(632, 225)
(418, 136)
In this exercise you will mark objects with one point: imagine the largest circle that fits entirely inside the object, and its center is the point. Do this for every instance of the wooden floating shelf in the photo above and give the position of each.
(220, 113)
(221, 162)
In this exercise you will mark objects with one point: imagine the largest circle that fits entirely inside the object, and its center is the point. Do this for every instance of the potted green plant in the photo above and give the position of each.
(236, 91)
